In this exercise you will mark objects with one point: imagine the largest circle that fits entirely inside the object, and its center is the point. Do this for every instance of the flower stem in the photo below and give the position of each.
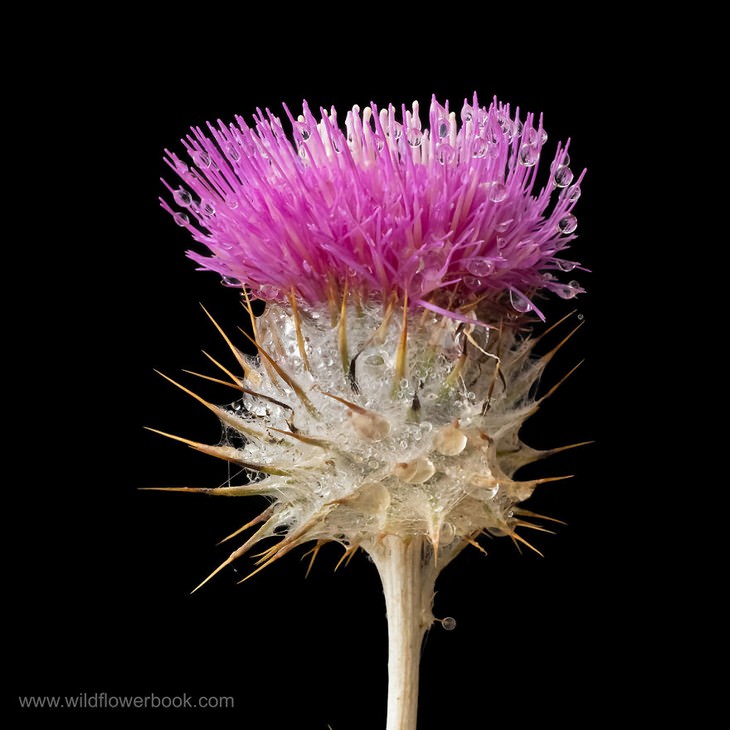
(408, 585)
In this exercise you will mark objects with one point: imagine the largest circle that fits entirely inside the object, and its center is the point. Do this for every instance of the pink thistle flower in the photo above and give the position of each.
(444, 216)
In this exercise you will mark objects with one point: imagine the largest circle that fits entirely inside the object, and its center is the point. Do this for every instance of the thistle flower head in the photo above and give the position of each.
(376, 406)
(443, 215)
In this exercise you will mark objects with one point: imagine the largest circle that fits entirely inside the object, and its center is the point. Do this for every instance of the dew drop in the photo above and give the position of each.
(446, 153)
(564, 265)
(182, 197)
(581, 316)
(505, 125)
(479, 267)
(207, 208)
(565, 291)
(479, 148)
(520, 302)
(200, 158)
(415, 137)
(181, 219)
(232, 152)
(529, 155)
(418, 471)
(563, 177)
(230, 281)
(375, 360)
(529, 135)
(472, 282)
(448, 623)
(443, 129)
(498, 192)
(565, 160)
(232, 202)
(305, 133)
(573, 193)
(568, 223)
(447, 533)
(574, 284)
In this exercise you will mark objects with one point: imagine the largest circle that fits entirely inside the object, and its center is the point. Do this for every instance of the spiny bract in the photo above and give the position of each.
(406, 425)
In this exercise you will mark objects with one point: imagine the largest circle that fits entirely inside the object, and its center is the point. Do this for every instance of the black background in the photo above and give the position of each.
(101, 572)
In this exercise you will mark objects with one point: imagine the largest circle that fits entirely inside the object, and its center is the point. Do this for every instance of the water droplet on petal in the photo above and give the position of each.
(230, 281)
(563, 177)
(449, 623)
(232, 152)
(564, 265)
(529, 155)
(232, 202)
(519, 301)
(446, 153)
(443, 129)
(565, 160)
(471, 282)
(568, 223)
(529, 135)
(182, 197)
(479, 148)
(480, 267)
(565, 291)
(573, 193)
(181, 219)
(200, 158)
(498, 192)
(207, 208)
(415, 137)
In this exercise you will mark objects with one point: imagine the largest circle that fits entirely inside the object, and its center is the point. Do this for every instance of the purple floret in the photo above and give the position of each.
(444, 215)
